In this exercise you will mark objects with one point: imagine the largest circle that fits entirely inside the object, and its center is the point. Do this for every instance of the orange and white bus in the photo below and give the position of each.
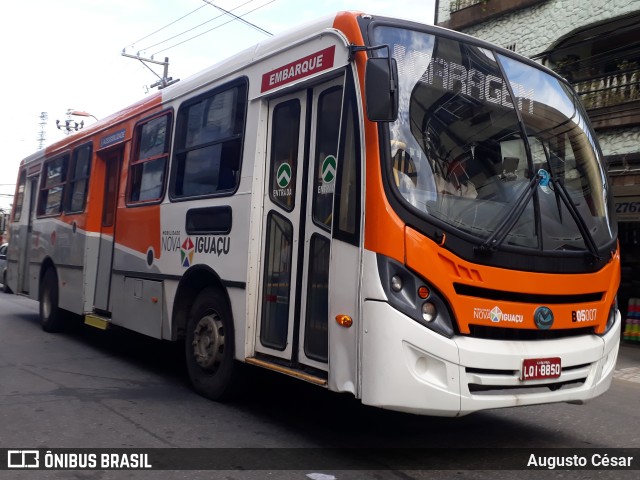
(376, 206)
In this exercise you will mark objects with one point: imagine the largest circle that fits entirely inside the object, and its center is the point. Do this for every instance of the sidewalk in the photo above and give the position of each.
(629, 355)
(628, 364)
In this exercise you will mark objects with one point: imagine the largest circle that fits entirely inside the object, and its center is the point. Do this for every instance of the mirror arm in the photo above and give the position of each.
(353, 49)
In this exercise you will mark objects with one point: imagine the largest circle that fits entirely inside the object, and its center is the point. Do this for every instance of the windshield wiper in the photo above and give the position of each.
(589, 242)
(509, 220)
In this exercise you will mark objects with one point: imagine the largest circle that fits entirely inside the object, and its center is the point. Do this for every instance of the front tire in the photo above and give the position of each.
(50, 313)
(209, 347)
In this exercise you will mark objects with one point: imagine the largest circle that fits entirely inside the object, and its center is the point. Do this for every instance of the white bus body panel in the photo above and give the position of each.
(424, 372)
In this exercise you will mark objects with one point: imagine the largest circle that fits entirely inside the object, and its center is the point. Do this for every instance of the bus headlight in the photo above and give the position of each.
(429, 312)
(413, 296)
(396, 283)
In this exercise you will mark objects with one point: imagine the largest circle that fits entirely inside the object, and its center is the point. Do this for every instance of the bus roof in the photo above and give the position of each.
(228, 66)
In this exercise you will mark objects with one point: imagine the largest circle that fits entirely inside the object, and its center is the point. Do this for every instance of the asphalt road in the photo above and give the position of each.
(90, 389)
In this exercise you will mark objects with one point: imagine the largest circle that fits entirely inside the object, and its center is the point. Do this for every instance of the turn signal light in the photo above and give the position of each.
(423, 292)
(344, 320)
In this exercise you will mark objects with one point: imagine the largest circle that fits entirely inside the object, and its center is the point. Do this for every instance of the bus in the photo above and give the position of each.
(376, 206)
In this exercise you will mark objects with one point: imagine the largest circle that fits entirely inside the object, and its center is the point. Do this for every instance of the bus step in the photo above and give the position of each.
(97, 321)
(287, 371)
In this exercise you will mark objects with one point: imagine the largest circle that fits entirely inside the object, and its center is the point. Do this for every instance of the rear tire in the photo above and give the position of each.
(209, 347)
(5, 287)
(50, 313)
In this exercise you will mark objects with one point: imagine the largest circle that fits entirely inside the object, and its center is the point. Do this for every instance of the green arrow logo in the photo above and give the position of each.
(328, 171)
(283, 176)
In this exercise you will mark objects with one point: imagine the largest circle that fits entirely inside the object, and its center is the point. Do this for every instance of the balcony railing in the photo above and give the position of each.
(609, 90)
(457, 5)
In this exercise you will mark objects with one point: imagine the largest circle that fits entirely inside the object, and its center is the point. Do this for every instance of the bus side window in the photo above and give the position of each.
(149, 163)
(78, 179)
(346, 221)
(19, 201)
(52, 186)
(209, 138)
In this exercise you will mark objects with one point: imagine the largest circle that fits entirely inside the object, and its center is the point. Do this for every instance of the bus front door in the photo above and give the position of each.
(112, 160)
(300, 176)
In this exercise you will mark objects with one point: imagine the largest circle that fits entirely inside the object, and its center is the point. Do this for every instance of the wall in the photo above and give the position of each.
(620, 141)
(537, 28)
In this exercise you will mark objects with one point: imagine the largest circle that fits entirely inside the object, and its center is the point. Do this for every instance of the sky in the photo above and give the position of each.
(60, 55)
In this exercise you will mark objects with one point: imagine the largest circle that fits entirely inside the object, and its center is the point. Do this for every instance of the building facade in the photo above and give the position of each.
(595, 45)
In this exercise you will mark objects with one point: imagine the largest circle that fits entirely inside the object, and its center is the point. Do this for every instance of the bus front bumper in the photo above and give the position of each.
(407, 367)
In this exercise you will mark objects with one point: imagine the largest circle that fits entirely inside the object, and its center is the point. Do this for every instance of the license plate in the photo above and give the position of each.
(540, 368)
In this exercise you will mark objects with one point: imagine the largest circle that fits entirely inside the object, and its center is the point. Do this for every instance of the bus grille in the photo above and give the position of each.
(499, 333)
(536, 298)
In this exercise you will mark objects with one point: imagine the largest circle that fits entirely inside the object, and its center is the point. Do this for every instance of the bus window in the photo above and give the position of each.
(329, 106)
(53, 181)
(277, 282)
(347, 195)
(147, 171)
(316, 336)
(284, 154)
(19, 196)
(209, 143)
(78, 179)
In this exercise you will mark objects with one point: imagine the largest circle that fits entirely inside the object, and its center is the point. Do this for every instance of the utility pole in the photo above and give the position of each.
(163, 81)
(42, 135)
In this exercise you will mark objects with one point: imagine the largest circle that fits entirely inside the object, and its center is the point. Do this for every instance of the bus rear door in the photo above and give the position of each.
(26, 243)
(113, 161)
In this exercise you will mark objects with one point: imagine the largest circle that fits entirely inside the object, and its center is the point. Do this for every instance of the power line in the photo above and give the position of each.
(214, 28)
(168, 25)
(191, 29)
(238, 18)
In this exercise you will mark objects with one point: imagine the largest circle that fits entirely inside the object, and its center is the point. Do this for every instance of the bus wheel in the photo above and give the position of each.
(5, 287)
(50, 314)
(209, 347)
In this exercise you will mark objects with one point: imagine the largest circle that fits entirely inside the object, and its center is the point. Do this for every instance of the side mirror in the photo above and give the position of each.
(381, 89)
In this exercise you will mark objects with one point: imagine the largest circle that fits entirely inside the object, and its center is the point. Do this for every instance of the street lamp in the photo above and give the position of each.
(79, 113)
(69, 125)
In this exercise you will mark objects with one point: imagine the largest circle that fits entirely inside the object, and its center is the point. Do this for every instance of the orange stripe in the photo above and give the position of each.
(91, 219)
(383, 229)
(443, 269)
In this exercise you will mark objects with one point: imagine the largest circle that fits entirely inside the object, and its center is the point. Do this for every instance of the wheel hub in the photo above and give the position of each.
(208, 342)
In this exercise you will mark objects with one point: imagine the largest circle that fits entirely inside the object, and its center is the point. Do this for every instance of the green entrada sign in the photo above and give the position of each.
(283, 176)
(328, 172)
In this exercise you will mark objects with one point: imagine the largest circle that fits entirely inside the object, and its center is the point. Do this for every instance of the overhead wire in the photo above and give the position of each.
(211, 29)
(206, 3)
(192, 28)
(246, 22)
(168, 25)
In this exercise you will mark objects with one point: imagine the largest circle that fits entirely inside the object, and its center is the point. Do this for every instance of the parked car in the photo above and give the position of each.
(3, 266)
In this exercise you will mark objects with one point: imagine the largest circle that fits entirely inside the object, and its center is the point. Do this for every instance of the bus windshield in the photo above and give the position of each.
(475, 129)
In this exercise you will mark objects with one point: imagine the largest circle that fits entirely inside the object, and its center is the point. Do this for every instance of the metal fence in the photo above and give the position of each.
(609, 90)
